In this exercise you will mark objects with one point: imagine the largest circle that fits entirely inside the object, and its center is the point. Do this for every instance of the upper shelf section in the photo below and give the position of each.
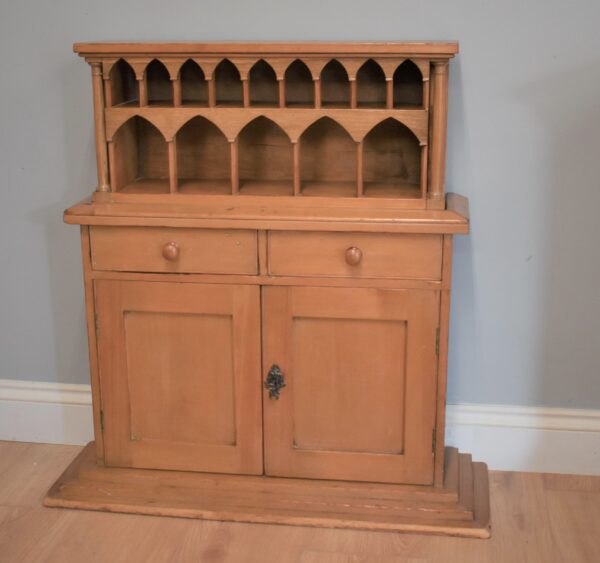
(318, 74)
(371, 83)
(340, 120)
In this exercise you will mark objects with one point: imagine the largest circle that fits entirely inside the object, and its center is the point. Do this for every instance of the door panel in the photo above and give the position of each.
(180, 375)
(359, 368)
(199, 402)
(334, 391)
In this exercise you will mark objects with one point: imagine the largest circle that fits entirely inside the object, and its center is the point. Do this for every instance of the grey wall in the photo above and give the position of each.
(524, 146)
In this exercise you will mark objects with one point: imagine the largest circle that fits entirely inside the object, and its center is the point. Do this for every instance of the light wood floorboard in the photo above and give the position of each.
(535, 518)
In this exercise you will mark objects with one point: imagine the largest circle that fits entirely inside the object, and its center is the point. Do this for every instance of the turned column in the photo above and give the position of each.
(437, 149)
(101, 151)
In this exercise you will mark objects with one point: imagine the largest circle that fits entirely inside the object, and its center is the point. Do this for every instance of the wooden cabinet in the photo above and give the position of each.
(267, 263)
(360, 372)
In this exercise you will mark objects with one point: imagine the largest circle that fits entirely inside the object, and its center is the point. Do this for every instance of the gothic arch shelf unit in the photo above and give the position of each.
(321, 150)
(267, 262)
(251, 81)
(376, 113)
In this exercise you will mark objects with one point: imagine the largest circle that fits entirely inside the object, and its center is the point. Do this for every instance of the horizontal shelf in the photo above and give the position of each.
(294, 121)
(391, 190)
(146, 186)
(329, 189)
(130, 104)
(266, 187)
(352, 214)
(204, 187)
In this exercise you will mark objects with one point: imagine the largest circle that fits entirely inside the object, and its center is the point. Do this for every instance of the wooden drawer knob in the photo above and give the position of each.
(353, 256)
(170, 251)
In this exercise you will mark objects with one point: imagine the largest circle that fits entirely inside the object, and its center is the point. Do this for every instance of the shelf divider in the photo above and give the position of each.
(353, 94)
(359, 168)
(107, 92)
(176, 91)
(296, 167)
(235, 179)
(246, 92)
(172, 152)
(212, 94)
(389, 93)
(143, 90)
(112, 156)
(281, 83)
(424, 153)
(318, 93)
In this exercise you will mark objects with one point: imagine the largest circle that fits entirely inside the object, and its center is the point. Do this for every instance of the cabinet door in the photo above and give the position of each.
(359, 367)
(180, 375)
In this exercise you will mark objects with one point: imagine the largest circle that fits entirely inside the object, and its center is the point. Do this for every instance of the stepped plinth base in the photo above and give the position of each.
(460, 508)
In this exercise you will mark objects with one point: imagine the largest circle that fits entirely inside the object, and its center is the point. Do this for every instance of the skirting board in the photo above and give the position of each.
(506, 437)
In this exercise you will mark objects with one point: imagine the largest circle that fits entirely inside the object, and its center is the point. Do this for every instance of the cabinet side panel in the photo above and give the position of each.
(440, 425)
(92, 344)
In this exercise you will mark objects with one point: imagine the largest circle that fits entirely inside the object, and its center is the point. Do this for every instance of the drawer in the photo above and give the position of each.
(207, 251)
(366, 255)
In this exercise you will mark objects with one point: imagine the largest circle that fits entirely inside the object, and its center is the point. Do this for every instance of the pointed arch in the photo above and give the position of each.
(140, 158)
(391, 161)
(264, 88)
(327, 159)
(370, 85)
(158, 80)
(335, 85)
(228, 84)
(408, 85)
(299, 85)
(123, 84)
(194, 90)
(203, 158)
(265, 158)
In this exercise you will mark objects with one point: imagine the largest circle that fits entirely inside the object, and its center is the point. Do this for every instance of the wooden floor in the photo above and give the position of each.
(535, 518)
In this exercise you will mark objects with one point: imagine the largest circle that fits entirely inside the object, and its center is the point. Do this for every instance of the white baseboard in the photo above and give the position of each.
(52, 413)
(515, 438)
(506, 437)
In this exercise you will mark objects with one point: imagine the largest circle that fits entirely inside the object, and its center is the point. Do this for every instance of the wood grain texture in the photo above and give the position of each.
(265, 213)
(537, 518)
(101, 148)
(358, 86)
(266, 500)
(294, 121)
(284, 199)
(88, 284)
(180, 375)
(439, 119)
(335, 418)
(324, 254)
(442, 372)
(141, 250)
(269, 280)
(427, 48)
